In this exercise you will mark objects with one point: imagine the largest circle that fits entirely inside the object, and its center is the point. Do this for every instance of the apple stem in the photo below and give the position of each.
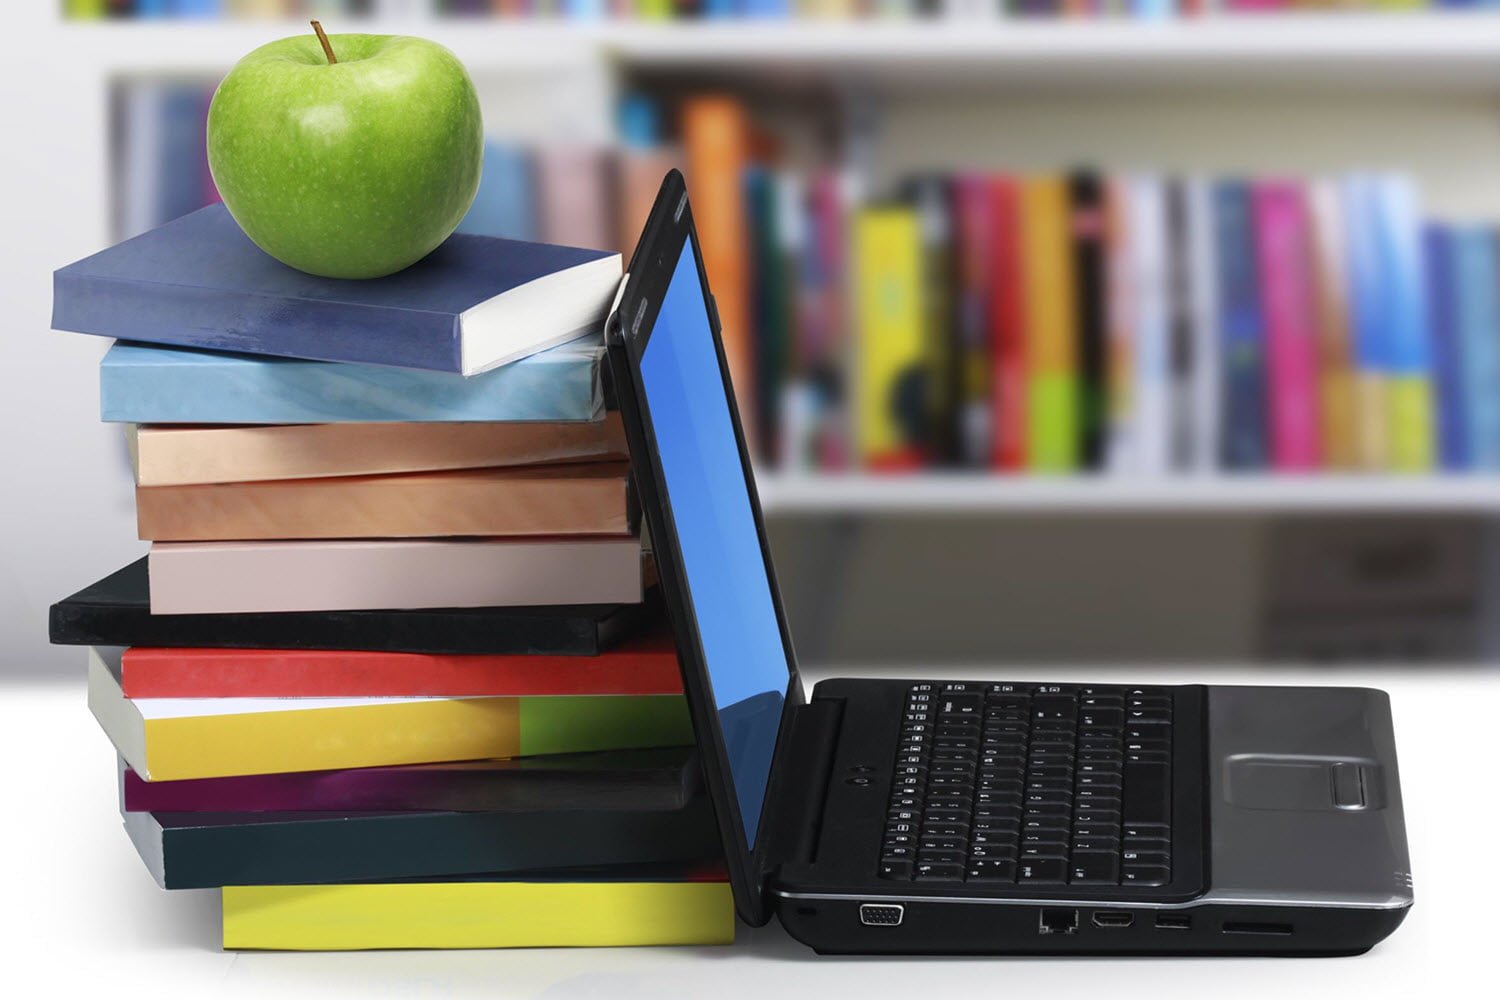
(327, 48)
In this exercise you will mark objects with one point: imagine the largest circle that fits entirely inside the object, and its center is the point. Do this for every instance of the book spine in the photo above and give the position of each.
(234, 577)
(932, 199)
(180, 456)
(1244, 443)
(1335, 336)
(715, 134)
(1413, 441)
(1182, 361)
(1086, 225)
(1291, 340)
(515, 914)
(974, 217)
(152, 386)
(1008, 382)
(1448, 363)
(276, 736)
(147, 672)
(891, 346)
(1207, 337)
(1152, 356)
(1476, 265)
(1366, 307)
(1051, 327)
(219, 319)
(280, 848)
(510, 503)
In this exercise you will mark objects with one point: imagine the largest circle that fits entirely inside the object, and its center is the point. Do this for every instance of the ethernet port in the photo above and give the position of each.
(1058, 922)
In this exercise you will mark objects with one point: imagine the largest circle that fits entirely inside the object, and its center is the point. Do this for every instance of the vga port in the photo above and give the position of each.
(881, 914)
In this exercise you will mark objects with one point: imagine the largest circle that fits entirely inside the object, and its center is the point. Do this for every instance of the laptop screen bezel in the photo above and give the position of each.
(668, 229)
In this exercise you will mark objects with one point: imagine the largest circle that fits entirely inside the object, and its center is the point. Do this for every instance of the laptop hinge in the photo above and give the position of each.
(799, 784)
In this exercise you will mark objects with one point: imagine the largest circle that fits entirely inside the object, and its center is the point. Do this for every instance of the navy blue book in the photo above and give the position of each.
(1244, 443)
(474, 303)
(1442, 321)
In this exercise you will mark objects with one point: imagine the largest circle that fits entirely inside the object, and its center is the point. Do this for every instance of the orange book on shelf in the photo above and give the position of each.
(1051, 326)
(716, 147)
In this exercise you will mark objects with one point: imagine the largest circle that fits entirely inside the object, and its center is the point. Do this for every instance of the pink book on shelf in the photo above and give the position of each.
(1284, 254)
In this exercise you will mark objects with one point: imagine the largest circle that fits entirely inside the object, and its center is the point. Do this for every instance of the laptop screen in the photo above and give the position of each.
(706, 492)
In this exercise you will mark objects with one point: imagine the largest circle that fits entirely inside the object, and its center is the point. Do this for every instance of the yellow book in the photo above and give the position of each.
(892, 366)
(1413, 431)
(478, 914)
(170, 739)
(1051, 326)
(1336, 393)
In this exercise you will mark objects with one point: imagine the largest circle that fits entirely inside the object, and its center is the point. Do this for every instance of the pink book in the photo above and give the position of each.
(1284, 255)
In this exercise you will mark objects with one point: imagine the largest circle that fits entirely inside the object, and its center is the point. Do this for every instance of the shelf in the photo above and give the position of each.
(1440, 51)
(832, 495)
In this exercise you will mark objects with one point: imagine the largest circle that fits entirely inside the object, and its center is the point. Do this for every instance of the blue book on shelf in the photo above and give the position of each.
(1153, 10)
(1370, 332)
(1244, 442)
(505, 204)
(1476, 265)
(197, 8)
(1410, 418)
(180, 177)
(474, 303)
(767, 8)
(1447, 357)
(156, 385)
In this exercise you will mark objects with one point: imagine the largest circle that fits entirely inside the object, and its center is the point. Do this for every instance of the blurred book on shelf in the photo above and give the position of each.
(710, 10)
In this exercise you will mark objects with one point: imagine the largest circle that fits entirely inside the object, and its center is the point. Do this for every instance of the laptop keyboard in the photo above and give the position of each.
(1032, 785)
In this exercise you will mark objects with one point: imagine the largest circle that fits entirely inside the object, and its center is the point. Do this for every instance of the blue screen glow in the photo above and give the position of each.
(710, 503)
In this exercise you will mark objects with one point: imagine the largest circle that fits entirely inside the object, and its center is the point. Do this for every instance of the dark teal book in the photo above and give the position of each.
(208, 850)
(474, 303)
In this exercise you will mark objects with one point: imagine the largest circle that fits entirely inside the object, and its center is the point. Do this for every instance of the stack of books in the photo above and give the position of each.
(390, 674)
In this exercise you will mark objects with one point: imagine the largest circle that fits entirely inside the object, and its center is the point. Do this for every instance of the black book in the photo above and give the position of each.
(208, 850)
(116, 611)
(1087, 208)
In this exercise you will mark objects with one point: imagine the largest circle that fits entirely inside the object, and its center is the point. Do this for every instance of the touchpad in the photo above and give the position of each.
(1277, 781)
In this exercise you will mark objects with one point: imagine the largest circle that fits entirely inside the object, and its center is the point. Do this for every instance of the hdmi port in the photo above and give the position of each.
(1113, 918)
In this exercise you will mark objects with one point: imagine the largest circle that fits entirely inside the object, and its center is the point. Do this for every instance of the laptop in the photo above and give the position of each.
(975, 817)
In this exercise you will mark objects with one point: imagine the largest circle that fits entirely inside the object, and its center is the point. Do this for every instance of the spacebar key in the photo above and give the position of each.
(1148, 794)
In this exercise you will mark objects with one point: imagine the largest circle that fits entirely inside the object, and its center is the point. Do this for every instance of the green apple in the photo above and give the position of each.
(353, 169)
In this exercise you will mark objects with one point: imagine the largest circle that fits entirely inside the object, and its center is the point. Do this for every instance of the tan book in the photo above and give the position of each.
(178, 455)
(583, 499)
(190, 578)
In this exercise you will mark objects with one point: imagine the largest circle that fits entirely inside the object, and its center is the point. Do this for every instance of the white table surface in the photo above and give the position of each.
(78, 911)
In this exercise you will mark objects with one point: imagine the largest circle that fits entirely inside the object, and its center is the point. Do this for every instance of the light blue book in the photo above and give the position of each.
(154, 385)
(505, 204)
(1475, 265)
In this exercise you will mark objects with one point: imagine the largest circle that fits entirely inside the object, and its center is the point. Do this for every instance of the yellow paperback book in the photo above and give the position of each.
(172, 739)
(1051, 326)
(891, 397)
(477, 913)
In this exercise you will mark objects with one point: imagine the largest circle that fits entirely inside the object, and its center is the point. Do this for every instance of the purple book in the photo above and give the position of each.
(636, 780)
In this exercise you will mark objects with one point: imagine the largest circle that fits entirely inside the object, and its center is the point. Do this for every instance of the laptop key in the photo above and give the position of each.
(990, 870)
(1094, 868)
(896, 870)
(1145, 875)
(1042, 871)
(945, 872)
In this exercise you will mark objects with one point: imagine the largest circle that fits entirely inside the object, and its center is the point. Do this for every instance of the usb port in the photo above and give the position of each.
(1173, 922)
(1113, 918)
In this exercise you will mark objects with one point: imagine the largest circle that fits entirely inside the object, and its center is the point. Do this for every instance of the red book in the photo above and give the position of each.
(1284, 254)
(1007, 328)
(646, 665)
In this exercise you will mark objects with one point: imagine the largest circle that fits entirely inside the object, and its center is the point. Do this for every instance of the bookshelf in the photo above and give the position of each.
(1444, 52)
(789, 494)
(1416, 91)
